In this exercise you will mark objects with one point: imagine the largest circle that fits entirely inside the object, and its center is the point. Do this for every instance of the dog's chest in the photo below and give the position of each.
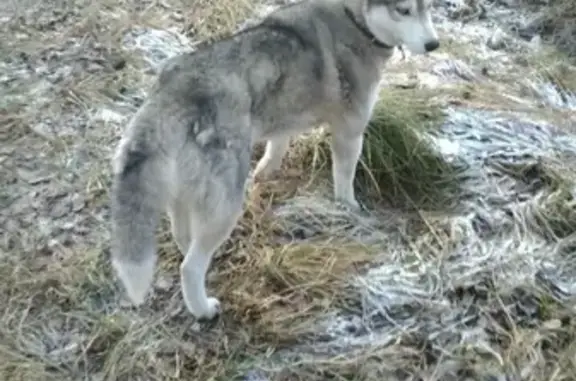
(372, 99)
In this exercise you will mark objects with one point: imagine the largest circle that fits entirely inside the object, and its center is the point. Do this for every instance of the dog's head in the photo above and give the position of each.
(402, 22)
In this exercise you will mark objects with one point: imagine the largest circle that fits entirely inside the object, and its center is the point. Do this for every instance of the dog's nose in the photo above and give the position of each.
(432, 45)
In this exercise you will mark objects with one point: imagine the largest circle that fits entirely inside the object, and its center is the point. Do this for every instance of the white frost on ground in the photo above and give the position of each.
(156, 45)
(552, 95)
(491, 243)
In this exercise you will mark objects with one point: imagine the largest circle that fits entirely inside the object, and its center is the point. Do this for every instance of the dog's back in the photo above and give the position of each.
(187, 150)
(189, 144)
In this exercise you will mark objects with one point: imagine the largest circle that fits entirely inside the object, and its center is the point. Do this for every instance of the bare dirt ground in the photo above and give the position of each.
(479, 286)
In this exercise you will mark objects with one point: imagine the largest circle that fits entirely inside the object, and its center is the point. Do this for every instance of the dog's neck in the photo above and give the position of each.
(373, 39)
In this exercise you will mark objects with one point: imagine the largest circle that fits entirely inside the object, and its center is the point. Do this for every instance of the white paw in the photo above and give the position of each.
(264, 169)
(349, 203)
(136, 278)
(211, 310)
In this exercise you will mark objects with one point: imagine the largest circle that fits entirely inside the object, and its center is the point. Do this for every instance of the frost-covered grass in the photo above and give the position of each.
(461, 266)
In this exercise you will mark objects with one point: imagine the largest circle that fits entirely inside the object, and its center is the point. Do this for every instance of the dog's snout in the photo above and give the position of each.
(432, 45)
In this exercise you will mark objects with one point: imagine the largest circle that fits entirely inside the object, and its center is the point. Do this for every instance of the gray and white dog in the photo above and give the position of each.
(187, 150)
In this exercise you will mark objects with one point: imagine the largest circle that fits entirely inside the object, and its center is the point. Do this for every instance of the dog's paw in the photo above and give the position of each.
(211, 310)
(349, 204)
(352, 206)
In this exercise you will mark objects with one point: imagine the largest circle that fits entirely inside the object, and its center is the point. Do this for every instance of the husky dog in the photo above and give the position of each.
(187, 150)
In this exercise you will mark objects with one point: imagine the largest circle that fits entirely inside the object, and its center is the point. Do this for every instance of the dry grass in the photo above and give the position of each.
(63, 317)
(286, 290)
(552, 67)
(218, 18)
(554, 213)
(557, 24)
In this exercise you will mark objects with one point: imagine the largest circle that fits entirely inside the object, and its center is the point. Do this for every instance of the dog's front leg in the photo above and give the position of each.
(346, 148)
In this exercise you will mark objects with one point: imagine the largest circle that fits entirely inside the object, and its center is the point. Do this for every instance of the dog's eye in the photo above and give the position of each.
(403, 11)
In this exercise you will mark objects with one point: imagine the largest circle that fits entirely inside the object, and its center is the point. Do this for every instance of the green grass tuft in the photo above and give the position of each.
(398, 162)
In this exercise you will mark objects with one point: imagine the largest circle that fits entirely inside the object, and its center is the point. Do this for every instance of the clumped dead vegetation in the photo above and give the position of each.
(213, 19)
(556, 23)
(69, 86)
(554, 213)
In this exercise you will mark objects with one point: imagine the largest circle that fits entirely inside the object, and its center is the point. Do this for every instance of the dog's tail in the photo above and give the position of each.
(137, 197)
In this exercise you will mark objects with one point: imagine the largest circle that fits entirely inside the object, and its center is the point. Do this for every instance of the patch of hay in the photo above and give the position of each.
(281, 291)
(62, 316)
(54, 310)
(214, 19)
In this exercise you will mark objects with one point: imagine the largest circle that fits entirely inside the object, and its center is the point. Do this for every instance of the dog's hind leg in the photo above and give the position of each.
(208, 235)
(272, 159)
(213, 180)
(180, 224)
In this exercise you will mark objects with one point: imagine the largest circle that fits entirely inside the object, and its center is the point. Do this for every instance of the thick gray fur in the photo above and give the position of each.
(187, 150)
